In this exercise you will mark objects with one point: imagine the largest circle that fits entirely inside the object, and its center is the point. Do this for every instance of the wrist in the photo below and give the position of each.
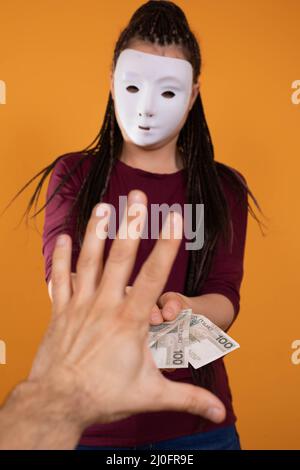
(61, 390)
(45, 413)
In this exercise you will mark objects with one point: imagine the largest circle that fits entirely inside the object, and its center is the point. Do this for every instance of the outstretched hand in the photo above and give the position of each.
(95, 350)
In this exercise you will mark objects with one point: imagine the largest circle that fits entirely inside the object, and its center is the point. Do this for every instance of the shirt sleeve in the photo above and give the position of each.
(57, 209)
(227, 268)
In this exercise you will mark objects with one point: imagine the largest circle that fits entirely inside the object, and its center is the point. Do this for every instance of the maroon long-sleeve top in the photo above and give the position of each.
(224, 278)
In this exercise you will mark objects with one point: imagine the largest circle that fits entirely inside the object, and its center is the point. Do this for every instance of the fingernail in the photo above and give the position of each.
(156, 318)
(102, 209)
(169, 312)
(214, 414)
(61, 240)
(135, 196)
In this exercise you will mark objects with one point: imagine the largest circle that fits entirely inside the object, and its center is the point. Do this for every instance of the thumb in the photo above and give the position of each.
(171, 303)
(191, 399)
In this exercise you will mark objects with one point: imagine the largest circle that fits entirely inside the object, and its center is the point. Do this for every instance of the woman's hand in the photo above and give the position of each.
(167, 308)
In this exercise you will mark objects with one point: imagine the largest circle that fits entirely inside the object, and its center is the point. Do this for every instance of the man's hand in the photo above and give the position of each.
(94, 364)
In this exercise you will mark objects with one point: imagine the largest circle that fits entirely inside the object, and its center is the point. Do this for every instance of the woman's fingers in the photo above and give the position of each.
(61, 288)
(171, 309)
(123, 251)
(156, 317)
(171, 303)
(90, 262)
(155, 271)
(191, 399)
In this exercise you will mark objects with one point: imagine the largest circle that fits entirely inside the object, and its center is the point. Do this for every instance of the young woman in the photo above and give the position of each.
(155, 138)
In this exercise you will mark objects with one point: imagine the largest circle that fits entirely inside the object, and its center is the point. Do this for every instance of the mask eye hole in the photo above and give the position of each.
(168, 94)
(132, 89)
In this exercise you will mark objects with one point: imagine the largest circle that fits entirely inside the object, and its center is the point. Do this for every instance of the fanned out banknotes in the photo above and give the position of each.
(190, 339)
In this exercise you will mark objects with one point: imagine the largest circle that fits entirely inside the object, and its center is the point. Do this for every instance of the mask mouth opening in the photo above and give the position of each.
(145, 128)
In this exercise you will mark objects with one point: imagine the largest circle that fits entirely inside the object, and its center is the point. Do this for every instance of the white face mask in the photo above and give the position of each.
(153, 92)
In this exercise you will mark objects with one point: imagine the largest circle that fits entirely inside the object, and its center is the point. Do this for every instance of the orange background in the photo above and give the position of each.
(55, 58)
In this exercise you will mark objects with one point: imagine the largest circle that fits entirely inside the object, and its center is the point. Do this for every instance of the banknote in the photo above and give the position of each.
(190, 339)
(207, 342)
(171, 350)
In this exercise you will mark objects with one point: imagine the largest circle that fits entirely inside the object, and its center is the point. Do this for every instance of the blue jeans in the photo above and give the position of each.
(226, 438)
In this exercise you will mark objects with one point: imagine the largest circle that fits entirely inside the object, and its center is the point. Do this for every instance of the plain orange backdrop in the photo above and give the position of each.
(55, 58)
